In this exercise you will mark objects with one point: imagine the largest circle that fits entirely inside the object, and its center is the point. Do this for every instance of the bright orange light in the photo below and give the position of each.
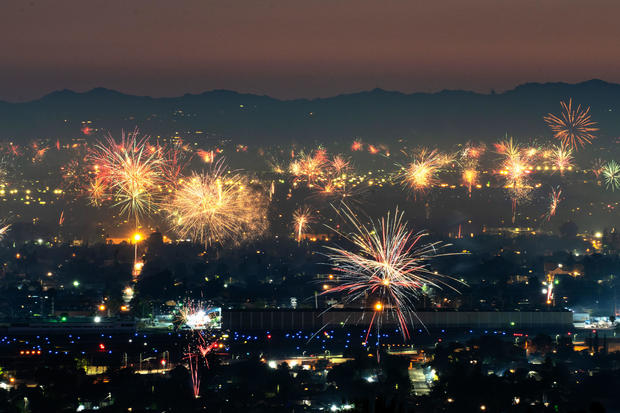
(102, 307)
(378, 307)
(137, 237)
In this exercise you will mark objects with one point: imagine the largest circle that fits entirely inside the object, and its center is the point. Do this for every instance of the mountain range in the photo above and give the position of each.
(441, 118)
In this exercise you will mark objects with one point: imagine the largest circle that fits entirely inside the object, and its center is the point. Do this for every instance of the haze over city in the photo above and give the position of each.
(297, 48)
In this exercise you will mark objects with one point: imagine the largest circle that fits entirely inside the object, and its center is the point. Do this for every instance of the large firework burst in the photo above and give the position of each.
(130, 171)
(217, 206)
(388, 264)
(573, 127)
(611, 174)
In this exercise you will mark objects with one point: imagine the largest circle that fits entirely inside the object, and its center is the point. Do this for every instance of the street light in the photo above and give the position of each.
(137, 237)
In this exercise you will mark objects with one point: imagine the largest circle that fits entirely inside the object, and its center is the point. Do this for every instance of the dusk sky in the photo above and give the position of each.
(308, 48)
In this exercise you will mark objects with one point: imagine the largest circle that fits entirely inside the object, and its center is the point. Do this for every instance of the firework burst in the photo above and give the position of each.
(469, 161)
(199, 318)
(470, 178)
(554, 200)
(515, 169)
(130, 170)
(421, 173)
(573, 127)
(302, 218)
(97, 190)
(217, 206)
(309, 167)
(388, 266)
(562, 157)
(340, 165)
(611, 174)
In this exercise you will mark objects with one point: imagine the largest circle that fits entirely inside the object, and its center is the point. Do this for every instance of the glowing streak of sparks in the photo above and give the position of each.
(554, 200)
(197, 316)
(301, 221)
(597, 167)
(470, 177)
(4, 229)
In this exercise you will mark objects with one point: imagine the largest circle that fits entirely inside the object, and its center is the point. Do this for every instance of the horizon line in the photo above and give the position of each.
(362, 91)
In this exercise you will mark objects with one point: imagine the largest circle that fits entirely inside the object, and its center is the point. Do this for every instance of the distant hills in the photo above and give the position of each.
(441, 118)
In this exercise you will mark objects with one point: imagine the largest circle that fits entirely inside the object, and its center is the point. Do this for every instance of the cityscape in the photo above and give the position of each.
(287, 239)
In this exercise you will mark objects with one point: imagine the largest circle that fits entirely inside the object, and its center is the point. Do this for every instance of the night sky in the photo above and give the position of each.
(302, 48)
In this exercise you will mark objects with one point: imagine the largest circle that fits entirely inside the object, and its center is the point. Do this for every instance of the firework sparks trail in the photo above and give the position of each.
(469, 161)
(470, 178)
(301, 221)
(597, 167)
(97, 189)
(388, 263)
(357, 146)
(555, 197)
(4, 229)
(193, 361)
(174, 161)
(611, 175)
(216, 206)
(199, 318)
(573, 127)
(340, 165)
(276, 166)
(14, 149)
